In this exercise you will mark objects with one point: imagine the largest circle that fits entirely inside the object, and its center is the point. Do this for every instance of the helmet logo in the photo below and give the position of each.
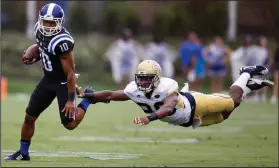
(156, 68)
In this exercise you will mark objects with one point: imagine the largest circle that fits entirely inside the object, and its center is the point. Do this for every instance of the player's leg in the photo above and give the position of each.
(116, 72)
(40, 99)
(62, 97)
(244, 85)
(216, 84)
(209, 107)
(275, 88)
(263, 94)
(215, 108)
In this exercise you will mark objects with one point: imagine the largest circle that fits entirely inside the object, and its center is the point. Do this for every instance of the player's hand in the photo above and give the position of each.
(79, 92)
(26, 60)
(141, 121)
(69, 109)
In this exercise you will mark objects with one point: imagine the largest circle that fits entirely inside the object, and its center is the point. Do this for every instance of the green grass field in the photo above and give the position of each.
(107, 137)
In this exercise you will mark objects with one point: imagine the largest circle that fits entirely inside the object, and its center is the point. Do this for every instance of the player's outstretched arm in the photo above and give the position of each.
(166, 109)
(106, 96)
(168, 106)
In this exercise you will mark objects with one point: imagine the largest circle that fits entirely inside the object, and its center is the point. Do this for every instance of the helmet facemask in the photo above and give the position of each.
(50, 30)
(146, 82)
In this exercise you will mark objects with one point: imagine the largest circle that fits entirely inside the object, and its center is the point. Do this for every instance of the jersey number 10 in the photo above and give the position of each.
(64, 47)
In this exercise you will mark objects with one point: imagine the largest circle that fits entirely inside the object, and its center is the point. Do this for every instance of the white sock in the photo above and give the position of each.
(242, 82)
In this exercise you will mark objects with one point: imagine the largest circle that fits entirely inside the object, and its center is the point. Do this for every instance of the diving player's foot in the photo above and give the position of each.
(18, 156)
(256, 70)
(256, 84)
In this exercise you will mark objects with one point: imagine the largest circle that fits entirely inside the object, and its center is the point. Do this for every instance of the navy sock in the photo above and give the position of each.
(84, 104)
(24, 146)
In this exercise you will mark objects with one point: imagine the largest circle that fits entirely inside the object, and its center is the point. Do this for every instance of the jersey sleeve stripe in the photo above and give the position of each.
(57, 39)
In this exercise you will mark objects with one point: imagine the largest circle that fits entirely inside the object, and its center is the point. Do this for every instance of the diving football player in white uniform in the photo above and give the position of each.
(160, 99)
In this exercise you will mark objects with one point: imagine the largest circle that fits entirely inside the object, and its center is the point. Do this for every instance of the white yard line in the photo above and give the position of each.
(91, 155)
(125, 139)
(170, 128)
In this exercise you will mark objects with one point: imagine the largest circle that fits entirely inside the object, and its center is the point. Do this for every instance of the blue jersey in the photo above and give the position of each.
(187, 51)
(200, 63)
(51, 49)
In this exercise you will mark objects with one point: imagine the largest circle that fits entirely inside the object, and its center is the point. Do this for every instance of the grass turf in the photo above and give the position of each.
(248, 138)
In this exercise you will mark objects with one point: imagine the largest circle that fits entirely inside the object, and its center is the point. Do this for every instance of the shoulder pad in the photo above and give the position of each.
(60, 44)
(168, 86)
(131, 88)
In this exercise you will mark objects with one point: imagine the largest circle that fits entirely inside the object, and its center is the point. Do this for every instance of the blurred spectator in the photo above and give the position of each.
(267, 54)
(193, 63)
(124, 55)
(244, 55)
(216, 55)
(274, 98)
(4, 20)
(161, 52)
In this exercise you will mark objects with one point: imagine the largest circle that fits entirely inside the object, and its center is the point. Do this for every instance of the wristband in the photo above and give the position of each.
(152, 117)
(71, 96)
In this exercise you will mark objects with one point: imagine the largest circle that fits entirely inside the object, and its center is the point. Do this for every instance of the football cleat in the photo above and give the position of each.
(256, 70)
(18, 156)
(256, 84)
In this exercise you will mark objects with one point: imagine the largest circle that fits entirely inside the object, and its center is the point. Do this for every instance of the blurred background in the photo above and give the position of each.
(200, 42)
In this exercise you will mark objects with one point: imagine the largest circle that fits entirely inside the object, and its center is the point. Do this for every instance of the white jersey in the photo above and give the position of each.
(124, 57)
(164, 54)
(166, 87)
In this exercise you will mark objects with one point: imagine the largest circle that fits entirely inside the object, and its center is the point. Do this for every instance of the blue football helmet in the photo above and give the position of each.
(51, 13)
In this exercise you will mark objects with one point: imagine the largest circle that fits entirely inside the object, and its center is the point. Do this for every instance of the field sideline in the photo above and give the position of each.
(107, 137)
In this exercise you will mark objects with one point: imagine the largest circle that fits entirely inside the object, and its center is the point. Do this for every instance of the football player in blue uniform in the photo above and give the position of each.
(55, 46)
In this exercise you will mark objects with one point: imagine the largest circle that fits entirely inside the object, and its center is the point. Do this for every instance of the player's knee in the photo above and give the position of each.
(236, 95)
(70, 126)
(236, 101)
(29, 119)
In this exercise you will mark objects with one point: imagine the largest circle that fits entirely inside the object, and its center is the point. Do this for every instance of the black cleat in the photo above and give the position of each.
(256, 84)
(18, 156)
(256, 70)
